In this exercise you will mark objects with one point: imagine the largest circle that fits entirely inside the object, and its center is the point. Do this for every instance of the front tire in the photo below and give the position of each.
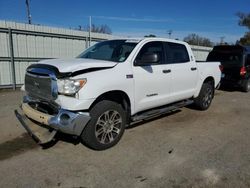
(206, 95)
(106, 127)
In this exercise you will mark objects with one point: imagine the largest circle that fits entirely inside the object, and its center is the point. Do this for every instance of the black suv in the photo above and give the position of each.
(235, 64)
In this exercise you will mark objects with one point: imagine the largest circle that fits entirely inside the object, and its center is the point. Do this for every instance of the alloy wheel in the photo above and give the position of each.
(108, 127)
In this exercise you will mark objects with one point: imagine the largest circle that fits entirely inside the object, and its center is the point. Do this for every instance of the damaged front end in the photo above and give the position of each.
(40, 115)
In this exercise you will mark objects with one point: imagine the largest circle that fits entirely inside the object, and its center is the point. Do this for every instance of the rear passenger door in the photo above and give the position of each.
(184, 71)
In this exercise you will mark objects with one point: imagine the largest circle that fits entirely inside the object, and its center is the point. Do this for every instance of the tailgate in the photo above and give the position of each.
(231, 72)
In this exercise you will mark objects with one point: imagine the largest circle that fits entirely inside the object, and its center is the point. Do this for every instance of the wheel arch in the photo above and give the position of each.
(116, 96)
(210, 79)
(206, 80)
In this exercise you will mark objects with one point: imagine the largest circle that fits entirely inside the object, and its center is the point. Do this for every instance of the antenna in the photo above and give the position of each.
(27, 2)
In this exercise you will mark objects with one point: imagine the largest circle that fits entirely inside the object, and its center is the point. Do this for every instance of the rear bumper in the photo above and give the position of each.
(231, 82)
(64, 121)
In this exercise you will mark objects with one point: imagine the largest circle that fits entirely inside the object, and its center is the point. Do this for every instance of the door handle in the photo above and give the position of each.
(166, 71)
(193, 68)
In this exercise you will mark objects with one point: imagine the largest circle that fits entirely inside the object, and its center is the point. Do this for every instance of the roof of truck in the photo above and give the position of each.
(228, 48)
(137, 40)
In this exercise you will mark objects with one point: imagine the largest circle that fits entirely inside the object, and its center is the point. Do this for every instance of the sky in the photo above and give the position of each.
(212, 19)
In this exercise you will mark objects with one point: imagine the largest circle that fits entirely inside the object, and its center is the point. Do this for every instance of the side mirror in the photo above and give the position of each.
(148, 59)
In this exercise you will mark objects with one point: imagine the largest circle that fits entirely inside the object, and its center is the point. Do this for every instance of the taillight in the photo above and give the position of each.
(221, 67)
(243, 71)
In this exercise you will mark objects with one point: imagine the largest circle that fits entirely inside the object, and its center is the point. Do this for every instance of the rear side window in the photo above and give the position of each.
(176, 53)
(227, 59)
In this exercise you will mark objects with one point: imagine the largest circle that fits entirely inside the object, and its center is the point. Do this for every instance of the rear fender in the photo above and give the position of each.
(207, 79)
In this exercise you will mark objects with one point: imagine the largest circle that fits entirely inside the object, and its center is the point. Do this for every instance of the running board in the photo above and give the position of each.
(159, 111)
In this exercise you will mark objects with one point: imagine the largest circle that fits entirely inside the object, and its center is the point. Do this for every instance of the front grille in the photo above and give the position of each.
(40, 86)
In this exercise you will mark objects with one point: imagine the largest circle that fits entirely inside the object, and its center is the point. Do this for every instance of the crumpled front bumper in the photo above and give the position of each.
(43, 127)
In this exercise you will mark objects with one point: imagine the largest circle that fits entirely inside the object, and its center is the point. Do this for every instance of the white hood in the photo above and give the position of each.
(76, 64)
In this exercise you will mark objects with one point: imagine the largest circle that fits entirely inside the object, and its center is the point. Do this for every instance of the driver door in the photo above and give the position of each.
(152, 80)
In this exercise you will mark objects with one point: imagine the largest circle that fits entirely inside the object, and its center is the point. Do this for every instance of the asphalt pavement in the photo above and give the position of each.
(188, 148)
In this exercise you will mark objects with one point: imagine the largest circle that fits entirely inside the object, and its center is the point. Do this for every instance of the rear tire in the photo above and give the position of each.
(246, 85)
(206, 95)
(106, 126)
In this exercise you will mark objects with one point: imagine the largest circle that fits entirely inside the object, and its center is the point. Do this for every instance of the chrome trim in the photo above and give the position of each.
(75, 123)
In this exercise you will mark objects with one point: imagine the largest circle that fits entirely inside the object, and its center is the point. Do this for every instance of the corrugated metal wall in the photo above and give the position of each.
(32, 43)
(200, 52)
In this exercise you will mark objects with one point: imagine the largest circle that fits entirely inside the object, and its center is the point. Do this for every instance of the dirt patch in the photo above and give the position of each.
(16, 146)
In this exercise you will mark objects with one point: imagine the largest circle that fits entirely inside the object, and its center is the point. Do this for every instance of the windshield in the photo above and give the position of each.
(112, 50)
(226, 59)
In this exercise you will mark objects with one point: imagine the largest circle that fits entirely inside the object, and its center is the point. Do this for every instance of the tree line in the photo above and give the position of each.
(195, 39)
(105, 29)
(245, 22)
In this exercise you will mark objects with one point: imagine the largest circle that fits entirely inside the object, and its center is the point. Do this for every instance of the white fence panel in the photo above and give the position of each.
(5, 73)
(4, 46)
(200, 52)
(20, 68)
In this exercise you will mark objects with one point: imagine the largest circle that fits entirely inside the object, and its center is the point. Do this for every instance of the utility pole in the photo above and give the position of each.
(90, 28)
(169, 33)
(27, 2)
(12, 59)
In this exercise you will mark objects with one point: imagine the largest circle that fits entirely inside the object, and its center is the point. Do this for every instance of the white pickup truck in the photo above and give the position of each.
(111, 84)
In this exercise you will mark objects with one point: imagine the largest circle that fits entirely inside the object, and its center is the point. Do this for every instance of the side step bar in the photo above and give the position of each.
(159, 111)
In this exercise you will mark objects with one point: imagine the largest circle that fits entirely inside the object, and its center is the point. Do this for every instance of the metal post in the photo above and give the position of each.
(27, 2)
(12, 61)
(90, 28)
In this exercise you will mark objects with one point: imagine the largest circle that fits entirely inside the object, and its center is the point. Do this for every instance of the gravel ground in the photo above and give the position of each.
(188, 148)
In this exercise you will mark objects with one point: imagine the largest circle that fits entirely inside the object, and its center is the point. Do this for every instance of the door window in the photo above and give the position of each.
(152, 47)
(176, 53)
